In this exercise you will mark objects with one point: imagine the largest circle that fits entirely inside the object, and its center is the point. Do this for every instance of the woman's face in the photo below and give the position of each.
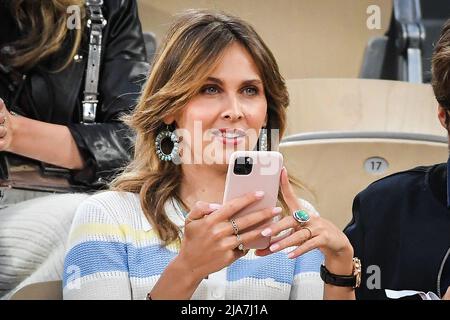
(227, 114)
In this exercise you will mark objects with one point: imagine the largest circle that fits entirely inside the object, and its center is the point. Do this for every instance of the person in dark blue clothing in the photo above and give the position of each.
(401, 223)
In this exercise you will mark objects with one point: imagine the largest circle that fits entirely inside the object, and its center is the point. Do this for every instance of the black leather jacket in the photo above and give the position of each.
(56, 97)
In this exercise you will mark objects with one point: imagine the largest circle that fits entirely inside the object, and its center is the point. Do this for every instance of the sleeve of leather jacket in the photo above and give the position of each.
(106, 145)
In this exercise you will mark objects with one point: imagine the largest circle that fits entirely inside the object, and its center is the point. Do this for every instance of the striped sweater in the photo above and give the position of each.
(113, 253)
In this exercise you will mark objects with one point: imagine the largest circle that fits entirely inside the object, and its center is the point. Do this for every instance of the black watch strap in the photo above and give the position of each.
(337, 280)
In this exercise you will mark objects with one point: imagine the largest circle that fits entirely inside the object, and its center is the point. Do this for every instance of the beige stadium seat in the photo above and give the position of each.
(361, 105)
(334, 167)
(50, 290)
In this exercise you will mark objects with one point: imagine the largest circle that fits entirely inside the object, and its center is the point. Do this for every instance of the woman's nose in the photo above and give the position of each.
(233, 110)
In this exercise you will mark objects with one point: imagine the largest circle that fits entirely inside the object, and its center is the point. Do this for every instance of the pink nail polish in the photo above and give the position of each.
(274, 247)
(277, 210)
(266, 232)
(290, 255)
(215, 206)
(259, 194)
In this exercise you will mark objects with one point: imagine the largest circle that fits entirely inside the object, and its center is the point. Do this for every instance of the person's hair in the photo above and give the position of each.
(192, 48)
(44, 24)
(440, 70)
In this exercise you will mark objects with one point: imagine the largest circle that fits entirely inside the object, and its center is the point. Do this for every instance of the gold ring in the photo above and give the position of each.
(241, 245)
(310, 232)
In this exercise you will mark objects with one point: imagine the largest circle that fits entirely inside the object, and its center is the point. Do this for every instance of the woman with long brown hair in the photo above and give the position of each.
(44, 54)
(42, 65)
(162, 232)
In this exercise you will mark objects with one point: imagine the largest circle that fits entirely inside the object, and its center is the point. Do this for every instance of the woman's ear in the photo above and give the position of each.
(442, 115)
(169, 119)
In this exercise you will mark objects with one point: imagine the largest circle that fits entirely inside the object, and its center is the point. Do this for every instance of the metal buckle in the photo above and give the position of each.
(89, 111)
(95, 13)
(97, 21)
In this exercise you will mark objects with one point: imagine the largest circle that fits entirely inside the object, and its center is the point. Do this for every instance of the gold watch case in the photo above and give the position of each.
(357, 269)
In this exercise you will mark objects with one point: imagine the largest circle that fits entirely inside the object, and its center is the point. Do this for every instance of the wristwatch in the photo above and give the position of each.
(353, 280)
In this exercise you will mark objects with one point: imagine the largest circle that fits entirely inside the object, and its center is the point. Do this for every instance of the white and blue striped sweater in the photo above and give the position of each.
(113, 253)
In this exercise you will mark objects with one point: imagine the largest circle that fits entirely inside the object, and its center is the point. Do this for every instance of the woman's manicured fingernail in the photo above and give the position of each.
(290, 255)
(266, 232)
(259, 194)
(215, 206)
(277, 210)
(274, 247)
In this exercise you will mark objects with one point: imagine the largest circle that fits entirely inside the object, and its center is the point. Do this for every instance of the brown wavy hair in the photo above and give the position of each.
(191, 50)
(45, 24)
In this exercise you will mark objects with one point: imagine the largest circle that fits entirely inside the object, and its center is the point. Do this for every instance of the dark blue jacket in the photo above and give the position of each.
(401, 224)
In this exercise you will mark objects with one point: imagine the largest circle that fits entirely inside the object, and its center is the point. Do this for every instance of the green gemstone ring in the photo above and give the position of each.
(301, 216)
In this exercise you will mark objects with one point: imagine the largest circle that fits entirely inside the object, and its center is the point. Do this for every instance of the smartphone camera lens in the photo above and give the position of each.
(243, 165)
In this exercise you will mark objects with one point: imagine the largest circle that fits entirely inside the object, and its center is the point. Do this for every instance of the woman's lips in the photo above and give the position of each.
(229, 136)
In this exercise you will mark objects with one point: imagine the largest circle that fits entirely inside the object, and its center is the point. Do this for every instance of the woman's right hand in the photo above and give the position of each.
(6, 127)
(209, 242)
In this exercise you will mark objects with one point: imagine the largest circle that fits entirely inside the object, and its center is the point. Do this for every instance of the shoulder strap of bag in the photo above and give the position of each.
(95, 22)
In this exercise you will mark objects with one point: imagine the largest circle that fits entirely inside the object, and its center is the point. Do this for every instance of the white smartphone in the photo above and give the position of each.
(251, 171)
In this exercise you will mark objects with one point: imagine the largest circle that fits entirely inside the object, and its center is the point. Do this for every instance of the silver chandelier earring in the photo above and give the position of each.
(263, 140)
(173, 155)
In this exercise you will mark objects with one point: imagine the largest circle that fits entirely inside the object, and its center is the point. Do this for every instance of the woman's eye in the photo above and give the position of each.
(250, 91)
(210, 90)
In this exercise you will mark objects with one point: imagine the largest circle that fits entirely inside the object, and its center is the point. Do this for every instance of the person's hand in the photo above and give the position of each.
(316, 233)
(6, 128)
(209, 243)
(447, 295)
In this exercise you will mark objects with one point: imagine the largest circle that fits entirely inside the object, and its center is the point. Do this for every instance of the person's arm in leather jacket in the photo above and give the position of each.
(53, 133)
(107, 144)
(47, 142)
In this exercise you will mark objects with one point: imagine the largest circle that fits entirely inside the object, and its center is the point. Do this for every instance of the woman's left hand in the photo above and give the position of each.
(316, 233)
